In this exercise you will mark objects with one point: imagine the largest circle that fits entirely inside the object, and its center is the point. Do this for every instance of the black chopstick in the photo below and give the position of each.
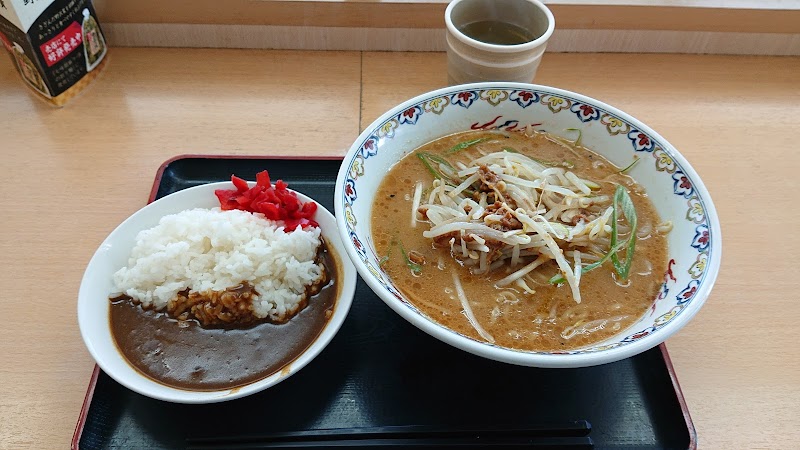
(566, 435)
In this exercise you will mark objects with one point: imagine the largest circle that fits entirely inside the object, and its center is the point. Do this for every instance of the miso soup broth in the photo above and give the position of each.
(506, 215)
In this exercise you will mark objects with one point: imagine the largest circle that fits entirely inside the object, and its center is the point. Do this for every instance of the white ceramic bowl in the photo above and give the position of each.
(93, 303)
(672, 185)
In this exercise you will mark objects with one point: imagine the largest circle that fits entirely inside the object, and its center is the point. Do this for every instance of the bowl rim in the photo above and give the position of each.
(172, 394)
(520, 357)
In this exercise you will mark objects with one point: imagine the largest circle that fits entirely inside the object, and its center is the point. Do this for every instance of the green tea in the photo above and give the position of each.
(497, 32)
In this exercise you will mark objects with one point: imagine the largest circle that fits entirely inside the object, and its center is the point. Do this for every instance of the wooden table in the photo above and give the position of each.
(71, 175)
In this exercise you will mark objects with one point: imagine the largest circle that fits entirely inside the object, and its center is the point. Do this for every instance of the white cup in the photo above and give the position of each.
(472, 60)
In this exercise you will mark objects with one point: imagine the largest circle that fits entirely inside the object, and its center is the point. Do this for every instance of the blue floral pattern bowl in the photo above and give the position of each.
(673, 186)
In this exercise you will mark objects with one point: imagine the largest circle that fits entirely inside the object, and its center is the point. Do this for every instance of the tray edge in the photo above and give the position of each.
(163, 167)
(87, 402)
(679, 394)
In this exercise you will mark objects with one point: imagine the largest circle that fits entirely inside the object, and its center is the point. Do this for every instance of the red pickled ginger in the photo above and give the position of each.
(276, 203)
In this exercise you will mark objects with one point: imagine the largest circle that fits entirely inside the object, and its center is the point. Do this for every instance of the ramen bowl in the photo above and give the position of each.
(674, 188)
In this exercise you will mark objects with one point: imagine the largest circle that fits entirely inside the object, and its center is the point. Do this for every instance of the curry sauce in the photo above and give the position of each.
(186, 355)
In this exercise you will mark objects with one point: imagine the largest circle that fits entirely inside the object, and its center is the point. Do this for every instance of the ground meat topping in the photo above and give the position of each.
(416, 257)
(581, 216)
(215, 308)
(231, 306)
(489, 179)
(506, 223)
(443, 241)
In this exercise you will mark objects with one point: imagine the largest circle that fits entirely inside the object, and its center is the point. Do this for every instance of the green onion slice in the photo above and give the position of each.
(577, 141)
(622, 201)
(465, 145)
(630, 166)
(415, 268)
(431, 162)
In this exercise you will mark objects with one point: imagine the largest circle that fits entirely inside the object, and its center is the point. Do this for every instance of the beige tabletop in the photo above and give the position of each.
(71, 175)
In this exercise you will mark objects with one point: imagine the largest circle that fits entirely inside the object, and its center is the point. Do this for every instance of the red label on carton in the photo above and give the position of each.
(62, 44)
(5, 41)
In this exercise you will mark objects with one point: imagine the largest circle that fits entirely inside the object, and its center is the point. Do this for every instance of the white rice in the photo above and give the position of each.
(210, 249)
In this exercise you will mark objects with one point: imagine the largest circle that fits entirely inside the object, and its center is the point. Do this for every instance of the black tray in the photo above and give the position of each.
(381, 371)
